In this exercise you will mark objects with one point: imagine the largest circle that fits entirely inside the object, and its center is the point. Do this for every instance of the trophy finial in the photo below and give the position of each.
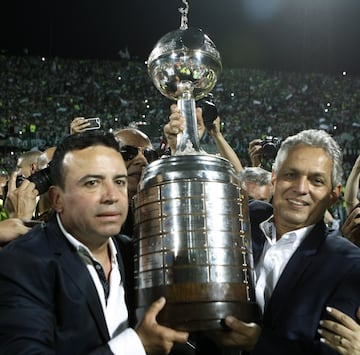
(184, 15)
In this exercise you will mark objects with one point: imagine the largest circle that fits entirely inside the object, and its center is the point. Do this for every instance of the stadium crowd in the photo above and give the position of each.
(40, 97)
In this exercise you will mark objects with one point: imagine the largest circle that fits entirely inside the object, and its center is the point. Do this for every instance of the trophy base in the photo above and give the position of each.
(201, 308)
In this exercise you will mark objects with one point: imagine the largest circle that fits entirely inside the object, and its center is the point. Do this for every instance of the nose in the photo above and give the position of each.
(140, 158)
(110, 193)
(301, 185)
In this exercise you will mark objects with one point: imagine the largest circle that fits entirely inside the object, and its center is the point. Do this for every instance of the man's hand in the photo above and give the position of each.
(177, 123)
(342, 333)
(255, 152)
(10, 229)
(351, 226)
(78, 124)
(175, 126)
(240, 334)
(20, 201)
(156, 338)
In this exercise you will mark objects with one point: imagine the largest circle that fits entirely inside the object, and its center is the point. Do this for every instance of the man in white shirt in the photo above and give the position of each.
(66, 286)
(301, 268)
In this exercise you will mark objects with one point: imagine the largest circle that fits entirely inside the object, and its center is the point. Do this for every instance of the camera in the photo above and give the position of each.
(209, 110)
(270, 146)
(41, 179)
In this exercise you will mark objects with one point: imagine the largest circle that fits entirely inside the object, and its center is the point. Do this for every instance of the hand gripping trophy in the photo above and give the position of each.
(192, 233)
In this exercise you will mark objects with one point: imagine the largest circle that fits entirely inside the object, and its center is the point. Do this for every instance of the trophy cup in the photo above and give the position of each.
(192, 233)
(185, 66)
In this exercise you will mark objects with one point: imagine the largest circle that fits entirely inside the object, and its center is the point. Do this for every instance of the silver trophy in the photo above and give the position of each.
(192, 232)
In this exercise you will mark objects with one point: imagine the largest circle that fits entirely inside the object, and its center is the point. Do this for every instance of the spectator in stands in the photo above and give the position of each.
(257, 182)
(71, 290)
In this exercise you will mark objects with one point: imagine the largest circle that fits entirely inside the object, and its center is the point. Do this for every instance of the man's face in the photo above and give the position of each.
(94, 204)
(302, 189)
(136, 165)
(258, 192)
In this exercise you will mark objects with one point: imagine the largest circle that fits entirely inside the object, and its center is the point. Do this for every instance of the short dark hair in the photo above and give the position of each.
(78, 141)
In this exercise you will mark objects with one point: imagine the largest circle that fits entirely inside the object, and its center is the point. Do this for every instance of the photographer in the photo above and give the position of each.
(262, 152)
(21, 196)
(20, 201)
(176, 125)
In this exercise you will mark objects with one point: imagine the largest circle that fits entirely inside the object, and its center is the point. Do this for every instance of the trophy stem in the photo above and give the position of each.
(188, 140)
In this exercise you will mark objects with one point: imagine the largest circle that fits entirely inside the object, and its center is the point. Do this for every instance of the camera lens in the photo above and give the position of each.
(269, 151)
(41, 179)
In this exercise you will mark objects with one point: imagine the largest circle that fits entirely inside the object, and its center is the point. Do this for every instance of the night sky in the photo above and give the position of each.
(288, 35)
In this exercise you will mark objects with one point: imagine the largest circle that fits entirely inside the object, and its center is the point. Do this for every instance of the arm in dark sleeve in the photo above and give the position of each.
(27, 317)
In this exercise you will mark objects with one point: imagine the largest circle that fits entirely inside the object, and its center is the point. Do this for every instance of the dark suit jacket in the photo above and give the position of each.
(48, 301)
(324, 271)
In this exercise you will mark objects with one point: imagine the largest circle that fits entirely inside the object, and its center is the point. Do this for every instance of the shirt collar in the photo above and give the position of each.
(81, 247)
(269, 230)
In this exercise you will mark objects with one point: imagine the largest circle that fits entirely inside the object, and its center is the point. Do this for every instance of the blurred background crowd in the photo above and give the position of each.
(40, 97)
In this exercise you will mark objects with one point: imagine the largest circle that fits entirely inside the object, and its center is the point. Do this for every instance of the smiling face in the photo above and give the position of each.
(93, 204)
(302, 188)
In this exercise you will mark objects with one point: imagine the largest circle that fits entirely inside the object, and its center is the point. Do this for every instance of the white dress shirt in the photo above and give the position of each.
(274, 257)
(115, 311)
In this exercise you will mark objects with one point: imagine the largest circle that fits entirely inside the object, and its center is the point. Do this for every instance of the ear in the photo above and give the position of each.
(273, 179)
(33, 168)
(55, 196)
(334, 195)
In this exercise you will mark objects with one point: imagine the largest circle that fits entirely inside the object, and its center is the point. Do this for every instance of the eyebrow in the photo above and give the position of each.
(102, 177)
